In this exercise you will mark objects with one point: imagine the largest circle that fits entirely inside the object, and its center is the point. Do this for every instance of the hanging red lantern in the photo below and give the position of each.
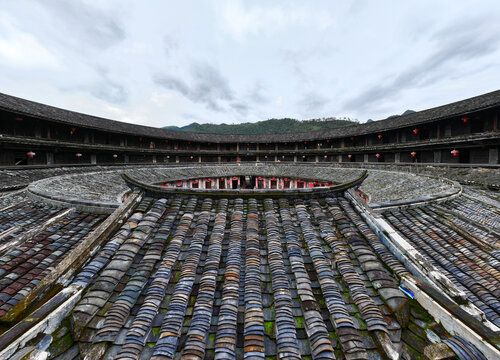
(140, 139)
(191, 157)
(283, 157)
(413, 154)
(73, 131)
(454, 152)
(326, 157)
(235, 178)
(349, 156)
(265, 156)
(166, 141)
(78, 155)
(115, 156)
(179, 183)
(327, 140)
(18, 118)
(465, 119)
(352, 138)
(239, 159)
(415, 131)
(303, 156)
(305, 142)
(379, 136)
(31, 154)
(195, 181)
(377, 155)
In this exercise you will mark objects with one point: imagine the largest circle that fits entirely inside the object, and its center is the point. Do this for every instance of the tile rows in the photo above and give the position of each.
(285, 325)
(321, 346)
(468, 251)
(137, 334)
(197, 335)
(451, 219)
(369, 310)
(89, 271)
(170, 332)
(23, 267)
(225, 340)
(236, 279)
(386, 286)
(476, 211)
(254, 316)
(118, 314)
(101, 289)
(348, 335)
(475, 277)
(373, 240)
(25, 215)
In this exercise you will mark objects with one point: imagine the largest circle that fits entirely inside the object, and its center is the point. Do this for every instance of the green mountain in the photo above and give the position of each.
(272, 126)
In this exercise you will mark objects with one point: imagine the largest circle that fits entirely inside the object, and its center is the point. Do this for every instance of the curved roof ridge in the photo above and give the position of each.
(43, 111)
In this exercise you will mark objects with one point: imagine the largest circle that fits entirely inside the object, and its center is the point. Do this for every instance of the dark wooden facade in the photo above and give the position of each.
(463, 132)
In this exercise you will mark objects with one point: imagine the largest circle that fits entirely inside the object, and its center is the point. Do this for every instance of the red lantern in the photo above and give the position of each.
(179, 183)
(326, 157)
(78, 155)
(191, 157)
(140, 139)
(454, 152)
(415, 131)
(303, 156)
(327, 140)
(31, 154)
(235, 178)
(73, 130)
(377, 155)
(465, 119)
(352, 138)
(239, 159)
(379, 136)
(283, 157)
(265, 156)
(166, 141)
(18, 118)
(115, 156)
(305, 142)
(413, 154)
(349, 156)
(195, 181)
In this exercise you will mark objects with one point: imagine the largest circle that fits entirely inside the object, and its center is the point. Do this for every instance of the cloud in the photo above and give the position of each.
(240, 21)
(103, 88)
(461, 42)
(85, 23)
(170, 45)
(19, 49)
(313, 102)
(207, 86)
(257, 94)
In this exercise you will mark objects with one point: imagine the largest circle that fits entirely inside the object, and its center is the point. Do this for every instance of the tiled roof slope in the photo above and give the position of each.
(25, 261)
(30, 108)
(206, 279)
(460, 238)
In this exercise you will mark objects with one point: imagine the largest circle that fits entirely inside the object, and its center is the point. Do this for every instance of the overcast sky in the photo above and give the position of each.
(163, 63)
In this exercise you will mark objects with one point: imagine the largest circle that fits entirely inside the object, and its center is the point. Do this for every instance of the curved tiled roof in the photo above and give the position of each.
(37, 110)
